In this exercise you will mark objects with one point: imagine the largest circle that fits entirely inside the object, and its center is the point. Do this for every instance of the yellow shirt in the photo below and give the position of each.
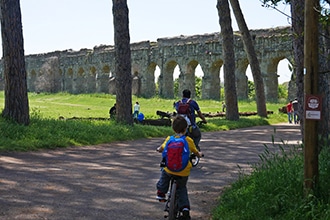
(192, 148)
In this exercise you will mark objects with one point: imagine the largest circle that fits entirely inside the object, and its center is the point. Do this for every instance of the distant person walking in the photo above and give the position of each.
(295, 111)
(289, 110)
(224, 106)
(136, 109)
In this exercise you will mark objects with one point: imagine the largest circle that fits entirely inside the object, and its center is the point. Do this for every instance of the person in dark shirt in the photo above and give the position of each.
(295, 111)
(112, 111)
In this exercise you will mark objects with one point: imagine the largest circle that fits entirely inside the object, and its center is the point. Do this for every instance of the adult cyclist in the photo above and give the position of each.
(193, 129)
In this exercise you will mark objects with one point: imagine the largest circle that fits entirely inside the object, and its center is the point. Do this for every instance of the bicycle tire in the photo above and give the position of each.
(172, 212)
(194, 160)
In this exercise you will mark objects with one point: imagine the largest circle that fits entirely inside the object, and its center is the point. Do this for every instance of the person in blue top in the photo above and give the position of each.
(193, 130)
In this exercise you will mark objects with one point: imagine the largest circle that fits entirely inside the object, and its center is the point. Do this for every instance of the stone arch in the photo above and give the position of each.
(106, 69)
(289, 66)
(70, 72)
(93, 70)
(81, 71)
(270, 77)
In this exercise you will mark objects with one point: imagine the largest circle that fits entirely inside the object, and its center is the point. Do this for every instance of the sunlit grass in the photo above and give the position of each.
(46, 130)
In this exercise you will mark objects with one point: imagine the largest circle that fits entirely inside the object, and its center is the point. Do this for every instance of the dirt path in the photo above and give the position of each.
(117, 180)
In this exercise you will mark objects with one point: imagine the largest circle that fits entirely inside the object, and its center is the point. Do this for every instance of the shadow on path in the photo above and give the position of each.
(117, 180)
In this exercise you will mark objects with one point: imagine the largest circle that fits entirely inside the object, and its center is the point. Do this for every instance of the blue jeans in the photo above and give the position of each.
(164, 183)
(290, 117)
(135, 114)
(296, 117)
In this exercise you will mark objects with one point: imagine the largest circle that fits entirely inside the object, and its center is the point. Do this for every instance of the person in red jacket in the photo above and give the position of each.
(289, 110)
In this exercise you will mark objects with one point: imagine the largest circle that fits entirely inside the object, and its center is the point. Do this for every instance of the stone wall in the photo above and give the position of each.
(92, 70)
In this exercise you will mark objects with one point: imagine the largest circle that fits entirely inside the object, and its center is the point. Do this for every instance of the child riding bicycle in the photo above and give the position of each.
(179, 125)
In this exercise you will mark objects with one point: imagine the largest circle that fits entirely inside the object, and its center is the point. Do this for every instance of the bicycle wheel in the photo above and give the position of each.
(173, 211)
(194, 160)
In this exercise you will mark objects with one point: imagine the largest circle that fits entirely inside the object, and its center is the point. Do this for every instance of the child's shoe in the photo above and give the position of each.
(161, 196)
(185, 214)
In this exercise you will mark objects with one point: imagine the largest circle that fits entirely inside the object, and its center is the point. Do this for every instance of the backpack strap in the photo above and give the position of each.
(189, 115)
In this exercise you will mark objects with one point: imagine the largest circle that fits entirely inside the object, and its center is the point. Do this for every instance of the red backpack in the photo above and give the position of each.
(184, 110)
(176, 153)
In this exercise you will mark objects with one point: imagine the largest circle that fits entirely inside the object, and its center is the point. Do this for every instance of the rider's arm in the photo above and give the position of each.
(161, 147)
(192, 147)
(201, 116)
(198, 110)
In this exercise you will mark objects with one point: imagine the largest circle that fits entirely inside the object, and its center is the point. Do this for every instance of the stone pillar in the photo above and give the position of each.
(147, 81)
(68, 80)
(136, 85)
(91, 81)
(270, 78)
(31, 79)
(187, 79)
(102, 79)
(166, 85)
(211, 81)
(79, 81)
(241, 79)
(112, 85)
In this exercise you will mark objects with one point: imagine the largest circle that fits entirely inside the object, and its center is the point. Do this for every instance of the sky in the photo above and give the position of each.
(50, 25)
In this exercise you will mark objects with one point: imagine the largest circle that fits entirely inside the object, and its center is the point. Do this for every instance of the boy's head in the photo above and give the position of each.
(179, 124)
(186, 93)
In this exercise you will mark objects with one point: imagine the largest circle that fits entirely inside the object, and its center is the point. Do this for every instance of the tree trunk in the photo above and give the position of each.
(252, 57)
(324, 84)
(229, 60)
(16, 97)
(297, 13)
(123, 76)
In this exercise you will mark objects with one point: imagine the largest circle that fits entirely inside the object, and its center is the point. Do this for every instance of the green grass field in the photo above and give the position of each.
(47, 131)
(98, 105)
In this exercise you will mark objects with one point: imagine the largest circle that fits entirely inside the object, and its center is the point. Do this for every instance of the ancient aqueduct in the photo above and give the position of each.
(90, 70)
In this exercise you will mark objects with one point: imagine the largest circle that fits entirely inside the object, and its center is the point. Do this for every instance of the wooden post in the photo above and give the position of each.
(311, 88)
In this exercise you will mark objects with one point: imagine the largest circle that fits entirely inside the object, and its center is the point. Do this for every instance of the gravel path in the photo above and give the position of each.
(117, 180)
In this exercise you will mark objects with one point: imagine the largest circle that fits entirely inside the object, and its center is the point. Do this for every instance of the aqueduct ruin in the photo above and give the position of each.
(91, 70)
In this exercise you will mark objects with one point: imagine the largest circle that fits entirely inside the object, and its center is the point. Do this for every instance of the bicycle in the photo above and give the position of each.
(171, 204)
(193, 158)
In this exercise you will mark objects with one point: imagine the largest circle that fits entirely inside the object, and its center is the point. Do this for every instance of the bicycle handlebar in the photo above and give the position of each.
(199, 123)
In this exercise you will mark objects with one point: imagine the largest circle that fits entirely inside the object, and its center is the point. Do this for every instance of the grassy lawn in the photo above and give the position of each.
(47, 131)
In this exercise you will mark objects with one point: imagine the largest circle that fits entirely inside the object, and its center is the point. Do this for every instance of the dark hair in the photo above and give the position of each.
(179, 124)
(186, 93)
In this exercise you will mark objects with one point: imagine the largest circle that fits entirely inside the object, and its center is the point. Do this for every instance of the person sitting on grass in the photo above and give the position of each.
(112, 111)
